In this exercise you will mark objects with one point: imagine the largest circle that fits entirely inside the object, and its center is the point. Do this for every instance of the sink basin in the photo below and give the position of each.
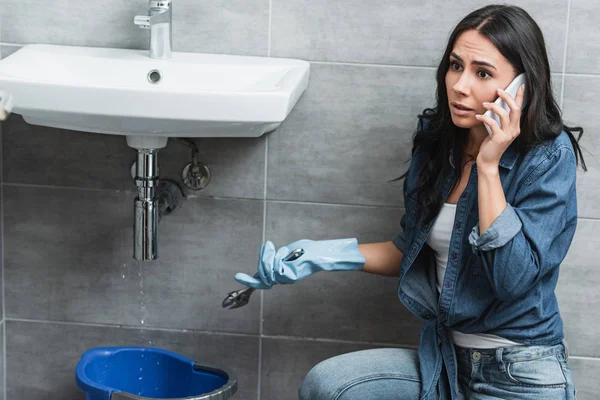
(124, 92)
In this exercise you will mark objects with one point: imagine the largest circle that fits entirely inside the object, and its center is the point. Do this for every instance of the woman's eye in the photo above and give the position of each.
(483, 74)
(455, 66)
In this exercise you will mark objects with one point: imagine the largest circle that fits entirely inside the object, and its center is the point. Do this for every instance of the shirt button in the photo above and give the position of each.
(448, 284)
(453, 256)
(458, 225)
(476, 356)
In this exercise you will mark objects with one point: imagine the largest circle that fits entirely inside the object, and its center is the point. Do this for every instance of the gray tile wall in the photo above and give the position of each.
(70, 283)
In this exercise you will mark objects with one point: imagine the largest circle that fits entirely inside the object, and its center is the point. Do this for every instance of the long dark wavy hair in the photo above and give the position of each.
(518, 37)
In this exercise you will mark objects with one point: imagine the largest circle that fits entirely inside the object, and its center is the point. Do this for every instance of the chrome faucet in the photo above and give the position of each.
(160, 22)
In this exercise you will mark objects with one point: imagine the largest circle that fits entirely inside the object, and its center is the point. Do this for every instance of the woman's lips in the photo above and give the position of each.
(460, 111)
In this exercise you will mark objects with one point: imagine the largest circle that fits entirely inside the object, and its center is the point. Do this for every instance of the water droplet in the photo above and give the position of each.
(141, 377)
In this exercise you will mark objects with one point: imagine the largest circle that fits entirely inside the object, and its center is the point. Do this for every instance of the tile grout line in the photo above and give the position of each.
(564, 71)
(81, 188)
(316, 203)
(340, 341)
(585, 75)
(586, 358)
(269, 29)
(202, 332)
(264, 229)
(262, 297)
(262, 198)
(4, 373)
(131, 327)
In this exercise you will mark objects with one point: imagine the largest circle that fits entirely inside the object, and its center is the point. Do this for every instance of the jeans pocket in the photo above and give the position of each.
(540, 372)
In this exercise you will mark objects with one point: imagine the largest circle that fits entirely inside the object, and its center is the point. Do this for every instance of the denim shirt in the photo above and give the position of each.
(500, 282)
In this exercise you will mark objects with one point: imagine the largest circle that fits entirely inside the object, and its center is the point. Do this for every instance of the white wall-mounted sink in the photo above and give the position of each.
(110, 91)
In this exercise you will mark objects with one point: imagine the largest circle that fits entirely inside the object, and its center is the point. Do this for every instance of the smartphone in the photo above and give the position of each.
(512, 90)
(6, 104)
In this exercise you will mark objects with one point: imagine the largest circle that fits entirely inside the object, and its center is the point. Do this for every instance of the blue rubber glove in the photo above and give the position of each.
(323, 255)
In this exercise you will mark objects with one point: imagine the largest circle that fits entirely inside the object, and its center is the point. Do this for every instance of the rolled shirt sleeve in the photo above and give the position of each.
(503, 229)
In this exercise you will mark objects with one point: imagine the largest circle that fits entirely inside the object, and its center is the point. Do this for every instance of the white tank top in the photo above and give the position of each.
(439, 241)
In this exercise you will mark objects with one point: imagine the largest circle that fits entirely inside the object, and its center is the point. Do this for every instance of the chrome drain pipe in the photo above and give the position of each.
(145, 243)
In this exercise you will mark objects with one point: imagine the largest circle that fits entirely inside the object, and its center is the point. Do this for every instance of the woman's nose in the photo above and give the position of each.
(462, 86)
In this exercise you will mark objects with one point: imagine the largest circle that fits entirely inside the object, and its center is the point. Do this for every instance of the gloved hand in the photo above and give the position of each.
(323, 255)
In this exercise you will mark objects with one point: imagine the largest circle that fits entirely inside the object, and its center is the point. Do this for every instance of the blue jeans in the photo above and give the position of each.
(520, 372)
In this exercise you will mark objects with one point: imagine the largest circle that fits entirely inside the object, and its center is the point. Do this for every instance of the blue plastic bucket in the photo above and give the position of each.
(122, 373)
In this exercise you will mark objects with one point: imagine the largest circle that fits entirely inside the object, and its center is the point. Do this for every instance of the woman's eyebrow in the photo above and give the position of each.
(473, 62)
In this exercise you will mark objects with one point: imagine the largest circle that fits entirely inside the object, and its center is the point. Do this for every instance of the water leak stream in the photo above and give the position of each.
(143, 338)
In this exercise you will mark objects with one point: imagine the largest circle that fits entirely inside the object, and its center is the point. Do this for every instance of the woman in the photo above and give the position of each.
(489, 219)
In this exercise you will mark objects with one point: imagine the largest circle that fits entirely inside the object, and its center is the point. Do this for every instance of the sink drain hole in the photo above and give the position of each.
(154, 76)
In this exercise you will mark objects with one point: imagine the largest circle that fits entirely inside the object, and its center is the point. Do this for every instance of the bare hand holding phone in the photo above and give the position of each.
(511, 90)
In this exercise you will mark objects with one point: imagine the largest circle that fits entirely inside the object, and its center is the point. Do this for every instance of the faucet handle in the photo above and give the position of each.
(143, 21)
